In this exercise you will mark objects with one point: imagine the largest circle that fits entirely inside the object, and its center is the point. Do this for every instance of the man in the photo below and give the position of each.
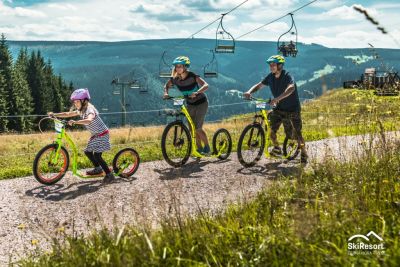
(286, 100)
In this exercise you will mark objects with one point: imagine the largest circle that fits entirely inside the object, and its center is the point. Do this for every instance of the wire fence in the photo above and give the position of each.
(307, 100)
(321, 122)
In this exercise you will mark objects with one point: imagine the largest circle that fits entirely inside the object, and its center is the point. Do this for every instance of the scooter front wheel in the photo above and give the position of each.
(50, 166)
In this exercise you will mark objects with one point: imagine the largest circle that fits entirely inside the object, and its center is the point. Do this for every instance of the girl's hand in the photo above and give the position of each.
(71, 122)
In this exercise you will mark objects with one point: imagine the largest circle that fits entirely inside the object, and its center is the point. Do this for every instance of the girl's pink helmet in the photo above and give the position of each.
(80, 94)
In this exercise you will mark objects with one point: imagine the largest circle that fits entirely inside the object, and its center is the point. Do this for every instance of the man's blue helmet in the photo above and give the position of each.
(278, 59)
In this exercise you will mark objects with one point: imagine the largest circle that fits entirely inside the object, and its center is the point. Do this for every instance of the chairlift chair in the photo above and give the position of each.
(211, 68)
(164, 68)
(225, 42)
(289, 49)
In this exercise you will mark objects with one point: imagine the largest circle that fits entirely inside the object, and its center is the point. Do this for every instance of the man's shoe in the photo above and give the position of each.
(276, 151)
(303, 158)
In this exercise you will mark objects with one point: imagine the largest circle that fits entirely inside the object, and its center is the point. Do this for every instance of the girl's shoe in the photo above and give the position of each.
(95, 171)
(200, 150)
(109, 178)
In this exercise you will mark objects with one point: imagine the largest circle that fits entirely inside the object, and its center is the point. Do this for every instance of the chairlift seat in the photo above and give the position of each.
(210, 74)
(225, 49)
(165, 75)
(143, 90)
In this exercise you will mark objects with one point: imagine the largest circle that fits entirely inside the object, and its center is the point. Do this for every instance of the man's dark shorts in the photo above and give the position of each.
(290, 120)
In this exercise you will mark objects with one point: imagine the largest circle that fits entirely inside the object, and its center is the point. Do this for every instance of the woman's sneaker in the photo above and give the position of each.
(109, 178)
(95, 171)
(200, 150)
(206, 150)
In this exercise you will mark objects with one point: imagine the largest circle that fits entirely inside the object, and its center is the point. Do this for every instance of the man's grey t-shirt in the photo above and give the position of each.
(278, 86)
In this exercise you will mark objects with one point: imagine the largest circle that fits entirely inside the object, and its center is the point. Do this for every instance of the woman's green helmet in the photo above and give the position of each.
(182, 60)
(278, 59)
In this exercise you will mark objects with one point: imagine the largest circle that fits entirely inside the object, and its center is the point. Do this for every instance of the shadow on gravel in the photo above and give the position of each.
(59, 192)
(186, 171)
(271, 169)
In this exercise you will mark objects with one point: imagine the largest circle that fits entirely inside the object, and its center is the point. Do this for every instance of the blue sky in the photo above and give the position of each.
(332, 23)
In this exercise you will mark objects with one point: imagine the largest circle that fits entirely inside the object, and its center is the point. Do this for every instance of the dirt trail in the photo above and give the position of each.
(30, 211)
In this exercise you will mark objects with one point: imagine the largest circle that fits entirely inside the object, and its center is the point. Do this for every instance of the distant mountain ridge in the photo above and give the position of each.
(95, 64)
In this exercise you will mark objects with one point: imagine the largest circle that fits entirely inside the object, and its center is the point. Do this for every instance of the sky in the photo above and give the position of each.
(332, 23)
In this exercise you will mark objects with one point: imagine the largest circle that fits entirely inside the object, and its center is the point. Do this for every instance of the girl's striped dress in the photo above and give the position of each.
(100, 139)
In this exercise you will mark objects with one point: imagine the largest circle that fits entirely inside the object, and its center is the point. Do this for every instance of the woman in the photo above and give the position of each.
(99, 141)
(192, 87)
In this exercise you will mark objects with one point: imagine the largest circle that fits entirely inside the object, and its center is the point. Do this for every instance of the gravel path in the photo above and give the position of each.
(33, 213)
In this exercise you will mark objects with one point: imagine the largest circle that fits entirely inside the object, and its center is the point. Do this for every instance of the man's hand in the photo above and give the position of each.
(71, 122)
(246, 95)
(274, 102)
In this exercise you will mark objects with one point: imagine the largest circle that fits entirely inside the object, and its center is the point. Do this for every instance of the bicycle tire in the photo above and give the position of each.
(165, 154)
(240, 150)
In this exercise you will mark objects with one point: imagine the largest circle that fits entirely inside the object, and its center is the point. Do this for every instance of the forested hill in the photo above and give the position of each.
(95, 64)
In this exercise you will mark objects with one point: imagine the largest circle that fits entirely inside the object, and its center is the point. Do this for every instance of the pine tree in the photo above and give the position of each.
(22, 94)
(41, 92)
(3, 104)
(52, 83)
(66, 91)
(6, 69)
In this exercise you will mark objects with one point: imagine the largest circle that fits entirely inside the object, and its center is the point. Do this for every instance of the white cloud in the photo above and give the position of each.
(327, 3)
(62, 6)
(340, 13)
(281, 3)
(7, 12)
(332, 23)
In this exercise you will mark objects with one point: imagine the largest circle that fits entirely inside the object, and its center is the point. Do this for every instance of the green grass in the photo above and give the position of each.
(304, 219)
(336, 113)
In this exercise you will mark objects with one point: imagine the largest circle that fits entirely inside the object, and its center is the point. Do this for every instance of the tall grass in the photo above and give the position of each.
(337, 113)
(303, 219)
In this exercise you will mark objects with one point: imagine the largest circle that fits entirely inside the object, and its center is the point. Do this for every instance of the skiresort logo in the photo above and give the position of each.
(356, 244)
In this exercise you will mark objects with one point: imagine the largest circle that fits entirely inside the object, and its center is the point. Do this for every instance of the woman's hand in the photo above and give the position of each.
(71, 122)
(193, 95)
(165, 96)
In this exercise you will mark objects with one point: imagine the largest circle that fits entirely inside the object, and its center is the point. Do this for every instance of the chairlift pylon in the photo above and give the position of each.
(102, 105)
(164, 68)
(289, 49)
(224, 41)
(211, 68)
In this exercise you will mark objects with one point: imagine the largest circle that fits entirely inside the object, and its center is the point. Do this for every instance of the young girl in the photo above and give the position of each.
(192, 87)
(99, 142)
